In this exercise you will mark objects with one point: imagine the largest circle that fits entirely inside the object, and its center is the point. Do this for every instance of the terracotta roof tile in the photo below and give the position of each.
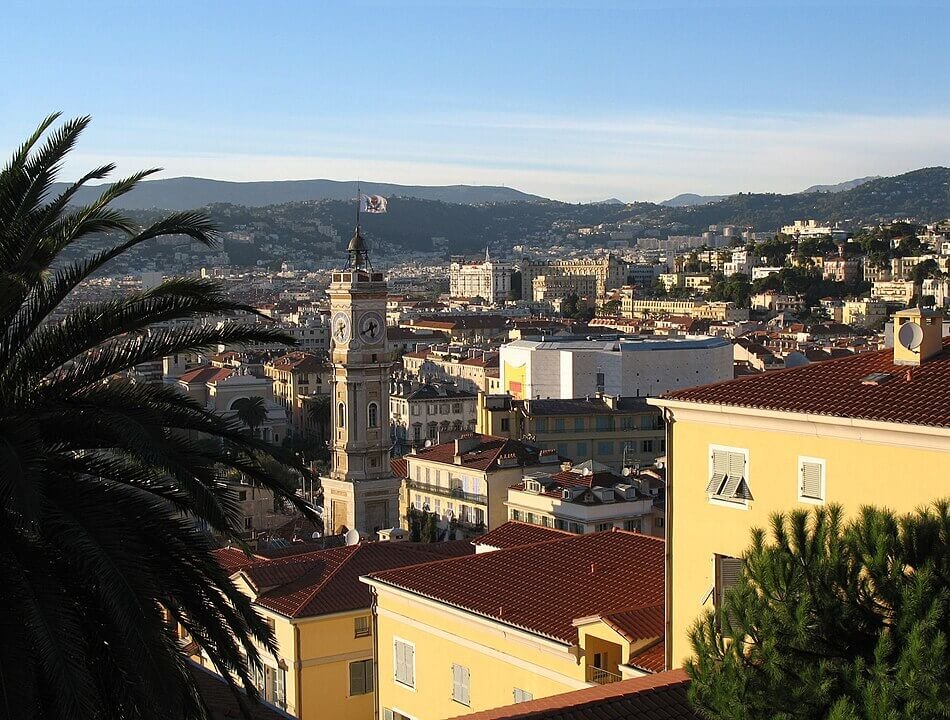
(483, 456)
(653, 659)
(834, 388)
(652, 697)
(205, 375)
(327, 581)
(543, 587)
(514, 533)
(640, 623)
(399, 467)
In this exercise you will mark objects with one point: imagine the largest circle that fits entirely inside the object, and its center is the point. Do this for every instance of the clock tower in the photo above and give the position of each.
(360, 491)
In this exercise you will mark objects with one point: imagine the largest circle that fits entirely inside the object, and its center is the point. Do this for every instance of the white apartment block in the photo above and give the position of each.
(489, 280)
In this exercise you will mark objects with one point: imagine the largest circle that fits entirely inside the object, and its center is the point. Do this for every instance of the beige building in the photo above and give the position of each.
(719, 311)
(468, 368)
(893, 291)
(465, 481)
(615, 432)
(298, 377)
(583, 499)
(864, 312)
(419, 412)
(550, 288)
(609, 272)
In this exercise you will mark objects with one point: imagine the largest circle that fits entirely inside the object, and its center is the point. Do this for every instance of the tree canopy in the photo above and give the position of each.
(832, 620)
(108, 483)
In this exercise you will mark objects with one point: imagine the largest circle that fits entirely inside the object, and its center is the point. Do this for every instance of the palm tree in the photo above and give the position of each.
(103, 484)
(318, 413)
(251, 411)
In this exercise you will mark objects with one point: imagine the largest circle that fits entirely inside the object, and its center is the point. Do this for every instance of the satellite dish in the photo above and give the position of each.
(910, 335)
(626, 471)
(428, 443)
(315, 535)
(587, 471)
(352, 537)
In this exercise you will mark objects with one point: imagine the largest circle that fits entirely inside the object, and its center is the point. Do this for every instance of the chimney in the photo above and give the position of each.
(566, 466)
(918, 335)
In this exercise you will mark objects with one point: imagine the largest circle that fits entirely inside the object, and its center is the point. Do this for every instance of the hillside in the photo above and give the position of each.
(690, 199)
(185, 193)
(838, 187)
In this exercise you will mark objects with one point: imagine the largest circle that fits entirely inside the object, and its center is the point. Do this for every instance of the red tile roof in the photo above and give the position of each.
(653, 659)
(652, 697)
(399, 467)
(327, 581)
(300, 361)
(835, 388)
(635, 624)
(221, 702)
(514, 533)
(543, 587)
(483, 456)
(205, 375)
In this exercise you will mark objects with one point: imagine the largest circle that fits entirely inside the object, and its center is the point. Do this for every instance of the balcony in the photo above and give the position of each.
(600, 676)
(449, 492)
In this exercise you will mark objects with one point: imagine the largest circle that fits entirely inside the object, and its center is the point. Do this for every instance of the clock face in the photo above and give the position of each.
(340, 328)
(372, 328)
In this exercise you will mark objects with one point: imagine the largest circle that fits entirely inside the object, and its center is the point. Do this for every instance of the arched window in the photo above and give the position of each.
(372, 415)
(341, 415)
(444, 427)
(457, 425)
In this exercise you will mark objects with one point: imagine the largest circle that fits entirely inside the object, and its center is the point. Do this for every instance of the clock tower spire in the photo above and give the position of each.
(360, 491)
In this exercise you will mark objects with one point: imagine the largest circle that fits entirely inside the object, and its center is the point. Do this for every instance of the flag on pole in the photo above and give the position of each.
(372, 203)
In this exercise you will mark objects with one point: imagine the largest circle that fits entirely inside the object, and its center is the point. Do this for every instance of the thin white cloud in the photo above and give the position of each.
(570, 158)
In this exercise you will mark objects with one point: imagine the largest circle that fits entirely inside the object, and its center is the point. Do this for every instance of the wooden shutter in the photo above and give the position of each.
(720, 463)
(357, 679)
(811, 480)
(736, 476)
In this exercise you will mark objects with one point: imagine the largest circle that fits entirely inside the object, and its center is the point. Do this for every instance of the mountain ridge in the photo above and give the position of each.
(186, 193)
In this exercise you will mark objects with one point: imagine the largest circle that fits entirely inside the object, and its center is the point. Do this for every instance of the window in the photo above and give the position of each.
(521, 696)
(647, 446)
(361, 677)
(811, 480)
(414, 409)
(248, 523)
(242, 495)
(559, 425)
(432, 430)
(505, 424)
(516, 515)
(581, 450)
(727, 573)
(416, 432)
(361, 626)
(601, 381)
(460, 681)
(605, 449)
(541, 425)
(456, 407)
(602, 527)
(659, 522)
(603, 423)
(632, 525)
(579, 424)
(457, 426)
(372, 415)
(728, 471)
(341, 415)
(404, 663)
(394, 715)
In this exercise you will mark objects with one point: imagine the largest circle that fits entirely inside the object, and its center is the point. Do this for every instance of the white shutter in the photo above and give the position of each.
(460, 681)
(720, 468)
(388, 714)
(811, 480)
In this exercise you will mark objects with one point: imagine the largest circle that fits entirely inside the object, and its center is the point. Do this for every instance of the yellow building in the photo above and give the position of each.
(322, 622)
(540, 613)
(298, 377)
(869, 429)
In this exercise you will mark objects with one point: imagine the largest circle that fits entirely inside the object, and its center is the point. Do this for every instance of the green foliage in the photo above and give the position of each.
(107, 482)
(734, 289)
(808, 281)
(844, 622)
(251, 411)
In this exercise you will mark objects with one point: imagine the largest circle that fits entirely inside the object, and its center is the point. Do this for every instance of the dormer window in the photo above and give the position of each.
(532, 486)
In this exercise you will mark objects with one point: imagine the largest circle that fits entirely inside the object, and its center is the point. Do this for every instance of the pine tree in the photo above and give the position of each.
(844, 622)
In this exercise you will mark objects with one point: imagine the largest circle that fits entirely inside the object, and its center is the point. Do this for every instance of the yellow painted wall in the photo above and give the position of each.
(327, 647)
(498, 661)
(515, 380)
(878, 468)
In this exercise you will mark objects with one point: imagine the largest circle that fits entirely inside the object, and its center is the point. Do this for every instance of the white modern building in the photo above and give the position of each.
(489, 280)
(575, 367)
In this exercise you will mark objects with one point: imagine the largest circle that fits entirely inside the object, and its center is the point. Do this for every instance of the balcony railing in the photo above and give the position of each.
(451, 492)
(601, 676)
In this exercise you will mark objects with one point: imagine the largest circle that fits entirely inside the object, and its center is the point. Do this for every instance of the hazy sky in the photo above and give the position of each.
(574, 100)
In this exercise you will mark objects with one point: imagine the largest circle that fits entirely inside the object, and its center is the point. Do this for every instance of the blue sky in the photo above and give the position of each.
(573, 100)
